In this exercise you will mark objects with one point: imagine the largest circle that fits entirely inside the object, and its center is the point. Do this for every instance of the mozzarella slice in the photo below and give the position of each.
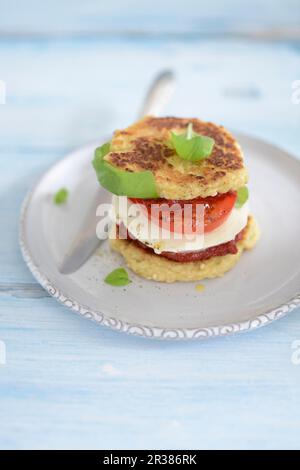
(139, 226)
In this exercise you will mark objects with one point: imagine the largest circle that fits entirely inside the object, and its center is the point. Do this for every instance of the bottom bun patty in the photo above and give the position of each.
(158, 268)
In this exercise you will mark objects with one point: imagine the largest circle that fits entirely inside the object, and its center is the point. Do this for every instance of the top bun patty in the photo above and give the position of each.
(146, 146)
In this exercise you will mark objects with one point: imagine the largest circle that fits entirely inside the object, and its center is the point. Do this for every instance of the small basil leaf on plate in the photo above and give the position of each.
(123, 183)
(242, 197)
(61, 196)
(192, 146)
(118, 277)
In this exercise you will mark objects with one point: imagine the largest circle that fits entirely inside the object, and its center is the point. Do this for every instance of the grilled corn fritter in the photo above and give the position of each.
(146, 146)
(157, 268)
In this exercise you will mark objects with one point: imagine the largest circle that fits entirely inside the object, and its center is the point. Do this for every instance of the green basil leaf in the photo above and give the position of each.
(61, 196)
(242, 197)
(118, 277)
(120, 182)
(192, 146)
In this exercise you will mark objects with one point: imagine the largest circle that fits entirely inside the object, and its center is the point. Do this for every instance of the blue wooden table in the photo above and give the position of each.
(73, 72)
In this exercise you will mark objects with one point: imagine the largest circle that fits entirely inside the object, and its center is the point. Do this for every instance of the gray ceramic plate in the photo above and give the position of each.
(264, 286)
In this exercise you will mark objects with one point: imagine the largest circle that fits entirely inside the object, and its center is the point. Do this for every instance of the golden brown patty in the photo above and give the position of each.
(157, 268)
(146, 146)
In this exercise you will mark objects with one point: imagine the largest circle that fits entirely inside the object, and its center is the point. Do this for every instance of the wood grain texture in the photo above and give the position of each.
(67, 382)
(261, 18)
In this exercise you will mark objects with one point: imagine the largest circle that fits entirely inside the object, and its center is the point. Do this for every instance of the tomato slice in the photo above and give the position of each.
(216, 211)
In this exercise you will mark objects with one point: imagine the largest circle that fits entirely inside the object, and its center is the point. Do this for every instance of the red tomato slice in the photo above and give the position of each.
(216, 211)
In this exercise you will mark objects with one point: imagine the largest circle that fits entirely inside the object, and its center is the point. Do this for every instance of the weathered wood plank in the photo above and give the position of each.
(70, 383)
(25, 290)
(74, 92)
(141, 17)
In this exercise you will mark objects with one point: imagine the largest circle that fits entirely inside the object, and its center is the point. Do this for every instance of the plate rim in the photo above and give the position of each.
(136, 329)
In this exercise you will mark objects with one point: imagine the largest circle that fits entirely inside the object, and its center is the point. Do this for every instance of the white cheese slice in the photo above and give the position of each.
(139, 226)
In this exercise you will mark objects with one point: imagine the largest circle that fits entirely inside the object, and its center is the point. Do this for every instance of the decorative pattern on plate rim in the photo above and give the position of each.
(143, 330)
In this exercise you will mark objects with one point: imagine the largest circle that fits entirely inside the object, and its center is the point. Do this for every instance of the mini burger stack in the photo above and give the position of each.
(188, 181)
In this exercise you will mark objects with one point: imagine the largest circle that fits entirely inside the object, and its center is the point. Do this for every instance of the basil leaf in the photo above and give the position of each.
(61, 196)
(118, 277)
(242, 197)
(192, 146)
(120, 182)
